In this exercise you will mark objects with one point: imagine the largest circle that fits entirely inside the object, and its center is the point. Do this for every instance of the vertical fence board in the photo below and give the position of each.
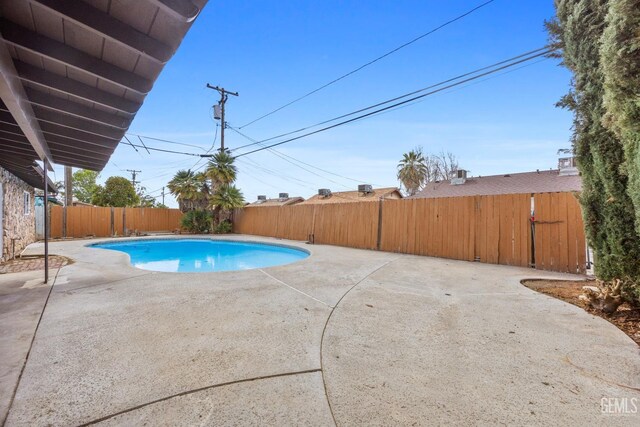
(55, 222)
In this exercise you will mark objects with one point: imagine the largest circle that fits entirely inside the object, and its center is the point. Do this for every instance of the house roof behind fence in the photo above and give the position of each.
(550, 181)
(277, 202)
(355, 196)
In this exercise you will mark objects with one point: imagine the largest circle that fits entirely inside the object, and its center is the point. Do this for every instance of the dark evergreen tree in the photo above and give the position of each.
(607, 207)
(620, 58)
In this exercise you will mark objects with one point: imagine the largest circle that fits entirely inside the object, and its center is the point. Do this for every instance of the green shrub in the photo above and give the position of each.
(225, 227)
(197, 221)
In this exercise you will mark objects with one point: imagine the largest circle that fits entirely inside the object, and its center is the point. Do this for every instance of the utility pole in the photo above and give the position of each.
(133, 176)
(68, 186)
(224, 94)
(163, 195)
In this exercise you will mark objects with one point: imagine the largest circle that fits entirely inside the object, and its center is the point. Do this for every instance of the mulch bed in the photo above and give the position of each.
(32, 263)
(626, 318)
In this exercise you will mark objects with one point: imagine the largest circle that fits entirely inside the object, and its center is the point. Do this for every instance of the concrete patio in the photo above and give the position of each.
(346, 337)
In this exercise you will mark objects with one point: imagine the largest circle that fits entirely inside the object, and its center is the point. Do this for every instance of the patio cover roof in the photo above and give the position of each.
(74, 74)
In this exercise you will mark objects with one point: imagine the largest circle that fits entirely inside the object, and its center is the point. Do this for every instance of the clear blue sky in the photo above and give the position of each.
(274, 51)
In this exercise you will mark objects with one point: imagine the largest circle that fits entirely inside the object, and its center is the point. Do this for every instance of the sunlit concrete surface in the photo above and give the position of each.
(346, 336)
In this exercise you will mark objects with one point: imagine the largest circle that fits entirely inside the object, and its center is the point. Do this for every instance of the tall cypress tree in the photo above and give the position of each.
(607, 208)
(620, 58)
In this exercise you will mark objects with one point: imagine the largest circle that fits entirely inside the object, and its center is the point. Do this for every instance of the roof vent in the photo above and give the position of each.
(324, 192)
(365, 189)
(567, 166)
(283, 196)
(262, 198)
(460, 178)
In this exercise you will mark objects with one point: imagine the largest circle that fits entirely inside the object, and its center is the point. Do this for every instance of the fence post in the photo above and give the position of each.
(379, 224)
(111, 228)
(124, 221)
(313, 225)
(48, 221)
(532, 231)
(64, 221)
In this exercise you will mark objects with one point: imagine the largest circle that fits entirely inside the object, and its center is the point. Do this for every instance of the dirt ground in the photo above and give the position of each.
(626, 318)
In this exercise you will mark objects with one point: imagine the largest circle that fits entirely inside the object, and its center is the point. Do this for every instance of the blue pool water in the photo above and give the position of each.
(201, 255)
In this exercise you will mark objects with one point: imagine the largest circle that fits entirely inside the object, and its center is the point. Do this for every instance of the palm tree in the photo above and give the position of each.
(412, 170)
(179, 186)
(203, 191)
(226, 198)
(221, 169)
(211, 189)
(190, 189)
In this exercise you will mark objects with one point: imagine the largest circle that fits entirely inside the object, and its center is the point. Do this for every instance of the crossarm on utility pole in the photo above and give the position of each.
(224, 94)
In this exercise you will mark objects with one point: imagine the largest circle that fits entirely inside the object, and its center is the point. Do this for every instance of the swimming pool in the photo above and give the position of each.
(203, 255)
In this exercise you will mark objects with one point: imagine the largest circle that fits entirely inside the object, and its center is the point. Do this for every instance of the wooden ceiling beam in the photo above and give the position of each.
(15, 99)
(67, 146)
(61, 158)
(55, 103)
(77, 123)
(57, 155)
(54, 50)
(65, 120)
(183, 10)
(71, 87)
(54, 129)
(105, 25)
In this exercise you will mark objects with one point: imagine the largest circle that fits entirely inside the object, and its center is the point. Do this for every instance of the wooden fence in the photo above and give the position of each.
(560, 243)
(491, 229)
(83, 221)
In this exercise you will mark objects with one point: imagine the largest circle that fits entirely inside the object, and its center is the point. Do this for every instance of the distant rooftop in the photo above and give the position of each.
(549, 181)
(277, 202)
(355, 196)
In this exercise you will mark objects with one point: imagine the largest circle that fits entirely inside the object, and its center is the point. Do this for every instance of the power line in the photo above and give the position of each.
(525, 57)
(394, 105)
(466, 85)
(458, 77)
(114, 164)
(261, 181)
(280, 175)
(373, 61)
(213, 144)
(145, 147)
(291, 160)
(159, 149)
(134, 147)
(164, 140)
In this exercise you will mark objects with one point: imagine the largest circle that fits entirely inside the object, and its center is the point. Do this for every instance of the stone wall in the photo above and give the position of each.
(15, 224)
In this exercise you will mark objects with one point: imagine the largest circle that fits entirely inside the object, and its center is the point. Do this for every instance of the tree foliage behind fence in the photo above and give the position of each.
(491, 229)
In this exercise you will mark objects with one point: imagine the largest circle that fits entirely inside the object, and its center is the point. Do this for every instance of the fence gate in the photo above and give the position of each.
(559, 239)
